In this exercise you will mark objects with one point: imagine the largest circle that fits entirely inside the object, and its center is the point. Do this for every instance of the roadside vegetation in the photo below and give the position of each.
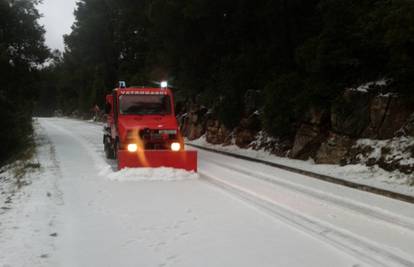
(22, 51)
(296, 54)
(20, 165)
(16, 174)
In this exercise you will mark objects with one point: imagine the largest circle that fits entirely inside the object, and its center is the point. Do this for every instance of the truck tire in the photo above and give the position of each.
(109, 151)
(116, 148)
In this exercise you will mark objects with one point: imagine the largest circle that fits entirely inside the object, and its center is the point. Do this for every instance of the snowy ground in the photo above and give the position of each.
(373, 176)
(78, 211)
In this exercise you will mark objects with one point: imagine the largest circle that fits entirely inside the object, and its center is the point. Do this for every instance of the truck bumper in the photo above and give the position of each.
(186, 160)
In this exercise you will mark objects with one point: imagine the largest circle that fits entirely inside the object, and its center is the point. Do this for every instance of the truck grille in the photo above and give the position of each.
(154, 135)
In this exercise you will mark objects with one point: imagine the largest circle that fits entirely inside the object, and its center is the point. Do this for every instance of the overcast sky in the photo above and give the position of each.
(57, 19)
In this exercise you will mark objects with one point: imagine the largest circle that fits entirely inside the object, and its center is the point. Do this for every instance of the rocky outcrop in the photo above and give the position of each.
(350, 113)
(391, 154)
(217, 133)
(329, 135)
(388, 114)
(244, 137)
(396, 116)
(334, 149)
(377, 112)
(192, 123)
(361, 115)
(311, 133)
(307, 140)
(199, 121)
(275, 146)
(316, 116)
(408, 128)
(247, 131)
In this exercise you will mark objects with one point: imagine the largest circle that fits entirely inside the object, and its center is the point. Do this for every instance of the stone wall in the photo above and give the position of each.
(327, 135)
(199, 121)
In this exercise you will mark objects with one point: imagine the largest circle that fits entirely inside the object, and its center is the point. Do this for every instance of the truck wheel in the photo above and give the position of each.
(115, 150)
(109, 151)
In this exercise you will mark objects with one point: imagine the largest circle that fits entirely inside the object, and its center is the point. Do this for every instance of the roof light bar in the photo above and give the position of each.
(122, 84)
(164, 84)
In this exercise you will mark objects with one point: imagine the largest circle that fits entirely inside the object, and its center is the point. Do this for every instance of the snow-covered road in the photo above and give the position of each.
(81, 212)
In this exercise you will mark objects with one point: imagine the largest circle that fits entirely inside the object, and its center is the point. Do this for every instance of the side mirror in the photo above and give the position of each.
(108, 108)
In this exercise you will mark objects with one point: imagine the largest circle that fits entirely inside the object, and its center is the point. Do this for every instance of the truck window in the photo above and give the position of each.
(144, 105)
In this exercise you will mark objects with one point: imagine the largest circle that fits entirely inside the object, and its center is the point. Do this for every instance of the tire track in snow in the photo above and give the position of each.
(98, 161)
(392, 219)
(318, 176)
(345, 241)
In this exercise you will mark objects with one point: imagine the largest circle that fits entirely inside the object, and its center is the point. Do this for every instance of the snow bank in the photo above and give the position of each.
(364, 88)
(151, 174)
(397, 149)
(359, 173)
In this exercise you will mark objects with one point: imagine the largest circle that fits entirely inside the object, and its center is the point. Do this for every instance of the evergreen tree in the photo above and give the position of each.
(22, 50)
(298, 53)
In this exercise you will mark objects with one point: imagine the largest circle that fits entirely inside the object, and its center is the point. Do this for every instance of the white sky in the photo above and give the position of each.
(57, 18)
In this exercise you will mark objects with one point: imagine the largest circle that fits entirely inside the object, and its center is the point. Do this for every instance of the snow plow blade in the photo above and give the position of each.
(186, 160)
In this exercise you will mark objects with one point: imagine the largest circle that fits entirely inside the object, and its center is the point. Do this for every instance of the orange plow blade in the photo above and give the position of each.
(186, 160)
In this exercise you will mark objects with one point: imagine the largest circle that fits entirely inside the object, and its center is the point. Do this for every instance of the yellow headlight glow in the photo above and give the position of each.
(175, 146)
(132, 147)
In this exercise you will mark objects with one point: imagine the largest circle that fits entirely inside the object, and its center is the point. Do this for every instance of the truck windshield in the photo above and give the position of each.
(144, 105)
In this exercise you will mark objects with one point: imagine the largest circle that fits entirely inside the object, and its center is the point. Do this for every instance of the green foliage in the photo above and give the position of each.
(281, 107)
(362, 41)
(229, 111)
(16, 127)
(398, 37)
(21, 51)
(301, 53)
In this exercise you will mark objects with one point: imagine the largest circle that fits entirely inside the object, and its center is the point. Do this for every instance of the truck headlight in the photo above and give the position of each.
(175, 146)
(132, 147)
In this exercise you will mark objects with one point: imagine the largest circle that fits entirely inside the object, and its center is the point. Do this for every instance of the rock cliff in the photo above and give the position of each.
(362, 126)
